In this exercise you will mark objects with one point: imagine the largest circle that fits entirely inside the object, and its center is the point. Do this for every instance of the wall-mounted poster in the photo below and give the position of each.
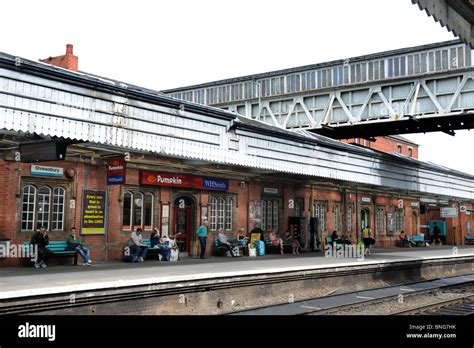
(255, 215)
(93, 212)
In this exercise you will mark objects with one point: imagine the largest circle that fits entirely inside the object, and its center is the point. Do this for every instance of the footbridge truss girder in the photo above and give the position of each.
(433, 102)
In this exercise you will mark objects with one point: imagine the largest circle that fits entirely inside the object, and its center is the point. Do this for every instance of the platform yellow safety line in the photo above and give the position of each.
(366, 297)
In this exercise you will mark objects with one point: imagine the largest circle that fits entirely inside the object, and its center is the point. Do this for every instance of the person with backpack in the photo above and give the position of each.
(367, 239)
(436, 233)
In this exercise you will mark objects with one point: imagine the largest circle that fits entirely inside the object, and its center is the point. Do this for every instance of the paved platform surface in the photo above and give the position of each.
(28, 281)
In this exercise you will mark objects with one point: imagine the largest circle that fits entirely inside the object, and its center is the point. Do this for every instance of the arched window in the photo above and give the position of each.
(228, 214)
(264, 215)
(275, 216)
(58, 209)
(137, 215)
(28, 208)
(213, 213)
(221, 213)
(44, 206)
(148, 211)
(320, 211)
(269, 215)
(337, 217)
(127, 211)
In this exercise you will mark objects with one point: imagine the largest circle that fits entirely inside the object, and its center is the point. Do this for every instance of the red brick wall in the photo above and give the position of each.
(386, 145)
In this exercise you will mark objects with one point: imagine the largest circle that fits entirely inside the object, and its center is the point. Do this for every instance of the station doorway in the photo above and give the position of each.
(364, 218)
(183, 224)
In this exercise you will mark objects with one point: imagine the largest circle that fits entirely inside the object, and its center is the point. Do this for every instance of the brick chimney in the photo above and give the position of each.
(68, 61)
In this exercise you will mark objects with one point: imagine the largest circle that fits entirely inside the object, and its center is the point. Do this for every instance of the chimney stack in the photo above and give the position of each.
(68, 61)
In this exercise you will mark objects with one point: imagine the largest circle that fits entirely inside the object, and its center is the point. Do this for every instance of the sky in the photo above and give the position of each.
(165, 44)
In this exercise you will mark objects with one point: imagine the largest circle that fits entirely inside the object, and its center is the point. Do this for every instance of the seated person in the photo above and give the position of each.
(404, 239)
(242, 237)
(274, 240)
(335, 238)
(345, 240)
(295, 244)
(74, 242)
(224, 242)
(138, 248)
(155, 238)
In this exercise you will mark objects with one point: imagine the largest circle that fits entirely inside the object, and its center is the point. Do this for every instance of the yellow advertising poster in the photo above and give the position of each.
(93, 212)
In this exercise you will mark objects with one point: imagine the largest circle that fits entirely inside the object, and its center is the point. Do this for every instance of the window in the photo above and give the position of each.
(221, 213)
(228, 214)
(44, 202)
(349, 214)
(221, 210)
(398, 220)
(148, 212)
(337, 216)
(137, 215)
(213, 213)
(410, 152)
(44, 206)
(58, 209)
(137, 211)
(299, 207)
(270, 215)
(399, 148)
(320, 212)
(127, 211)
(379, 215)
(28, 208)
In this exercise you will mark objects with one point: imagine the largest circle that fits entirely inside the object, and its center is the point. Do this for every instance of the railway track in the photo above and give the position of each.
(461, 303)
(464, 305)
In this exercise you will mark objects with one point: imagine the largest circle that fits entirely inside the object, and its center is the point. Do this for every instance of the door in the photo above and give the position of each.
(364, 218)
(183, 222)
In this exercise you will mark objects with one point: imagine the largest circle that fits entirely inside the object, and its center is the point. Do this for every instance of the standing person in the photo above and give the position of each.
(138, 247)
(74, 242)
(41, 240)
(436, 233)
(202, 234)
(367, 238)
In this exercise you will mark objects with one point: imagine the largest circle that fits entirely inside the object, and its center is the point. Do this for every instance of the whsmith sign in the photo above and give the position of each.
(116, 171)
(182, 180)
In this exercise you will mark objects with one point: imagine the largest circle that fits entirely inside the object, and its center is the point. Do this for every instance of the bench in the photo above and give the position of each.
(328, 241)
(269, 247)
(469, 240)
(418, 240)
(233, 241)
(58, 248)
(152, 253)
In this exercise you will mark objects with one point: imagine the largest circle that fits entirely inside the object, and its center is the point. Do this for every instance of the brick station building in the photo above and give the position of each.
(129, 188)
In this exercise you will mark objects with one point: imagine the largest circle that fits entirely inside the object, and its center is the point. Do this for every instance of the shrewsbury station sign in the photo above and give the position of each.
(182, 180)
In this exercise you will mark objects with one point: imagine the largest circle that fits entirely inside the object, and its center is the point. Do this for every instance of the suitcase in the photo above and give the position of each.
(260, 245)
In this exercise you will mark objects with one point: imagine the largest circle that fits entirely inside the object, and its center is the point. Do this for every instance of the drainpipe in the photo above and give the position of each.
(357, 215)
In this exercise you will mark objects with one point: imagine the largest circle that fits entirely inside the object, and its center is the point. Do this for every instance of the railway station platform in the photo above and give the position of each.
(217, 285)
